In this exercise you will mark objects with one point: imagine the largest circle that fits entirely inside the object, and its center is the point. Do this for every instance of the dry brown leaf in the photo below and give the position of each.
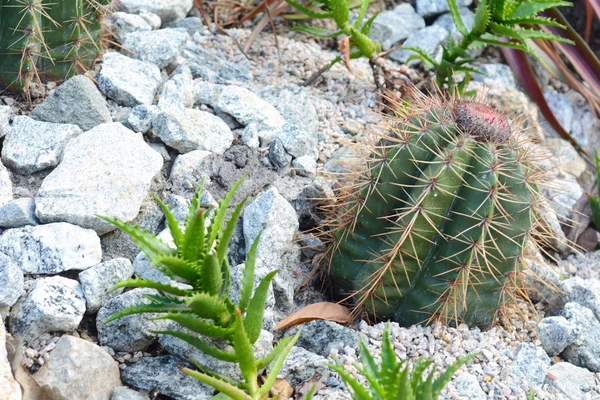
(344, 49)
(324, 310)
(282, 389)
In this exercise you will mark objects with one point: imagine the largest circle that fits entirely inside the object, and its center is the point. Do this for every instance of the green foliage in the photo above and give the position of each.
(505, 23)
(595, 200)
(435, 222)
(56, 39)
(202, 306)
(392, 379)
(339, 10)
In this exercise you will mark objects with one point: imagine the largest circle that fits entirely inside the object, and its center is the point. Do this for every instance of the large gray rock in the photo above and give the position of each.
(35, 145)
(561, 107)
(190, 170)
(124, 393)
(321, 337)
(468, 387)
(583, 291)
(207, 66)
(167, 10)
(77, 101)
(17, 213)
(96, 281)
(305, 166)
(106, 171)
(191, 129)
(391, 26)
(53, 304)
(6, 191)
(556, 333)
(278, 157)
(78, 369)
(178, 91)
(297, 142)
(5, 114)
(301, 366)
(9, 388)
(585, 351)
(191, 24)
(428, 8)
(131, 333)
(428, 39)
(11, 281)
(123, 24)
(530, 364)
(497, 72)
(51, 248)
(164, 373)
(127, 81)
(572, 382)
(157, 47)
(141, 117)
(446, 22)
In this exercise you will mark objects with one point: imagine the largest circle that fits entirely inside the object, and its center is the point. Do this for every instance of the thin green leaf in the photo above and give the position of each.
(366, 358)
(228, 232)
(266, 360)
(200, 345)
(218, 384)
(192, 245)
(456, 17)
(147, 308)
(148, 243)
(146, 283)
(244, 353)
(197, 325)
(366, 28)
(248, 278)
(364, 6)
(531, 8)
(302, 8)
(445, 376)
(315, 31)
(256, 309)
(276, 367)
(172, 223)
(177, 266)
(357, 390)
(217, 222)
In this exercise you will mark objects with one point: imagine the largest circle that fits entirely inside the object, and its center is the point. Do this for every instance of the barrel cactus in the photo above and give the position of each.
(54, 39)
(435, 223)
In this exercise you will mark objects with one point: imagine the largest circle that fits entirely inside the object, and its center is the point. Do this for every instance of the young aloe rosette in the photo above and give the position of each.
(393, 379)
(198, 299)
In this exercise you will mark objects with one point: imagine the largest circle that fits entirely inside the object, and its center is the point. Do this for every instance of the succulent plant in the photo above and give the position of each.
(55, 39)
(198, 299)
(434, 223)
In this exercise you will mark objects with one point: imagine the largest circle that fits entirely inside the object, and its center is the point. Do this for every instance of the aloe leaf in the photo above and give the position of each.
(148, 243)
(197, 325)
(423, 54)
(226, 272)
(389, 362)
(192, 245)
(266, 360)
(530, 8)
(303, 9)
(456, 17)
(147, 308)
(206, 306)
(357, 390)
(256, 309)
(248, 278)
(217, 222)
(177, 266)
(316, 31)
(364, 6)
(276, 367)
(219, 384)
(212, 275)
(366, 28)
(146, 283)
(366, 358)
(445, 376)
(172, 223)
(228, 232)
(244, 353)
(201, 345)
(405, 385)
(481, 19)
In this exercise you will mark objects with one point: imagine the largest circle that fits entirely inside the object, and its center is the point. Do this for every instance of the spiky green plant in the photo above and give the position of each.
(203, 307)
(434, 222)
(393, 379)
(55, 39)
(594, 200)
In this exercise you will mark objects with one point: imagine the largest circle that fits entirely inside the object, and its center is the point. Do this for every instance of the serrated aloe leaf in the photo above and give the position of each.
(212, 275)
(303, 9)
(316, 31)
(276, 367)
(374, 383)
(445, 376)
(244, 353)
(192, 245)
(177, 266)
(206, 306)
(148, 243)
(146, 283)
(256, 309)
(457, 18)
(219, 384)
(226, 271)
(482, 18)
(273, 354)
(419, 367)
(389, 362)
(172, 223)
(248, 275)
(215, 229)
(147, 308)
(356, 389)
(366, 358)
(198, 325)
(160, 299)
(530, 8)
(228, 232)
(200, 345)
(209, 372)
(404, 383)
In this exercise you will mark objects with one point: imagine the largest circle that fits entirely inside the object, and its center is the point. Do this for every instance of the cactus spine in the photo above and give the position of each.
(54, 39)
(437, 223)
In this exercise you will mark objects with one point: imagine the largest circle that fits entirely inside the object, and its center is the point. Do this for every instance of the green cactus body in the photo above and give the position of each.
(438, 230)
(54, 39)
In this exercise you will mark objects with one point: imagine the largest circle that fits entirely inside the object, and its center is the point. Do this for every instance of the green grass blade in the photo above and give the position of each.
(216, 225)
(146, 283)
(315, 31)
(172, 223)
(244, 353)
(248, 278)
(220, 385)
(201, 345)
(228, 232)
(198, 325)
(147, 308)
(256, 310)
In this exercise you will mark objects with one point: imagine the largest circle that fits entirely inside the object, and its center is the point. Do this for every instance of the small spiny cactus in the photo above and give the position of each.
(54, 39)
(435, 220)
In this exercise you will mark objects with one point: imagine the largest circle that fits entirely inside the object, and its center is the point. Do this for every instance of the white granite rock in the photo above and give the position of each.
(53, 304)
(428, 8)
(305, 166)
(428, 39)
(51, 248)
(97, 280)
(106, 171)
(17, 213)
(156, 47)
(167, 10)
(6, 190)
(5, 114)
(140, 118)
(34, 145)
(572, 382)
(297, 142)
(189, 170)
(11, 281)
(124, 393)
(127, 81)
(9, 388)
(391, 26)
(123, 23)
(178, 91)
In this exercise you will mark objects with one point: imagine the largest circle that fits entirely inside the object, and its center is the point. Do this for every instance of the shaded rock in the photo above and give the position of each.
(391, 26)
(18, 213)
(429, 39)
(297, 142)
(301, 366)
(53, 304)
(6, 191)
(585, 292)
(164, 373)
(305, 166)
(78, 369)
(51, 248)
(530, 363)
(167, 10)
(124, 393)
(9, 387)
(468, 387)
(105, 171)
(123, 23)
(189, 170)
(77, 101)
(556, 333)
(96, 281)
(156, 47)
(585, 351)
(131, 333)
(428, 8)
(35, 145)
(193, 129)
(11, 281)
(321, 337)
(585, 127)
(208, 66)
(278, 157)
(496, 72)
(561, 107)
(566, 157)
(140, 118)
(5, 115)
(127, 81)
(571, 381)
(190, 24)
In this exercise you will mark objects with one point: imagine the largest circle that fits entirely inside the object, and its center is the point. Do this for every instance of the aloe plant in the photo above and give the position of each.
(202, 306)
(593, 200)
(393, 379)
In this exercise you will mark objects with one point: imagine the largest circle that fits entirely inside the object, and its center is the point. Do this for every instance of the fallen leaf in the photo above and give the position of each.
(281, 389)
(344, 49)
(324, 310)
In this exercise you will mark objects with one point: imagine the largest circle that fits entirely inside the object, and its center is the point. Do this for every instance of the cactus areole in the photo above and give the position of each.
(435, 225)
